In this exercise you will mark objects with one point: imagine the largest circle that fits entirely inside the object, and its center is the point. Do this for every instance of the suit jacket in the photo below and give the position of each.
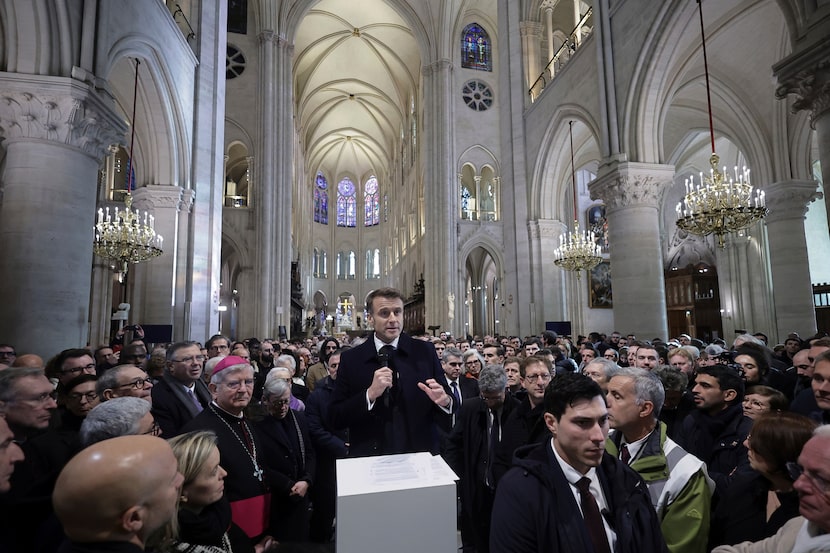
(468, 389)
(535, 510)
(172, 408)
(404, 419)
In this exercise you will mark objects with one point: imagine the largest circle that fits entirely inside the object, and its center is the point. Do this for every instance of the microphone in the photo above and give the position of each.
(385, 359)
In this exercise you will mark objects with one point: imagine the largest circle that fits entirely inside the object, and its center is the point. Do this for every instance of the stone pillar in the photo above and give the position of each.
(443, 275)
(56, 131)
(159, 275)
(794, 309)
(549, 28)
(531, 33)
(208, 176)
(806, 75)
(549, 281)
(100, 309)
(632, 195)
(181, 309)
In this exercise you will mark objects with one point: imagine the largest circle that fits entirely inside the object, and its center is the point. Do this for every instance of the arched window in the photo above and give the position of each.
(345, 265)
(373, 263)
(315, 262)
(371, 202)
(324, 264)
(346, 204)
(319, 263)
(321, 200)
(475, 48)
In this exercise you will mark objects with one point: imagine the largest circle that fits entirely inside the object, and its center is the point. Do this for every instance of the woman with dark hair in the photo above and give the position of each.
(757, 504)
(754, 360)
(320, 370)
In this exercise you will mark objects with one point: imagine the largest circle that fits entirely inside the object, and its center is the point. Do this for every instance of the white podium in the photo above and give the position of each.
(396, 503)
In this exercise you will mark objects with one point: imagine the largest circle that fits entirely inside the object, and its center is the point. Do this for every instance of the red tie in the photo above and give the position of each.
(593, 518)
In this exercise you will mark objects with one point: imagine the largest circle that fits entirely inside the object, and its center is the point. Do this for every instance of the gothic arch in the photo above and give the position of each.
(549, 195)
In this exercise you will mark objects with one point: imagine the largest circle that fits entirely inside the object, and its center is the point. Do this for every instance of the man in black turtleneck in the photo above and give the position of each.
(716, 430)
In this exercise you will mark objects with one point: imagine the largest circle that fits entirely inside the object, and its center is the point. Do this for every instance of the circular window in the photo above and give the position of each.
(477, 95)
(235, 62)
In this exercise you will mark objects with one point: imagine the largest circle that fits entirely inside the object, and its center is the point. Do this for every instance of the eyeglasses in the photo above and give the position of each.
(795, 471)
(43, 398)
(543, 376)
(756, 404)
(236, 384)
(155, 430)
(137, 384)
(8, 354)
(473, 362)
(219, 347)
(87, 368)
(190, 359)
(280, 402)
(90, 397)
(455, 363)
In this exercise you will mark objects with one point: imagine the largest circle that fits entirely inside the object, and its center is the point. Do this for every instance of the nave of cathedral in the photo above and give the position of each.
(297, 154)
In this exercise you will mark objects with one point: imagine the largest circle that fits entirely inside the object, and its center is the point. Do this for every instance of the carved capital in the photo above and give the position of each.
(629, 184)
(812, 90)
(155, 197)
(267, 36)
(60, 110)
(548, 229)
(790, 199)
(437, 66)
(187, 198)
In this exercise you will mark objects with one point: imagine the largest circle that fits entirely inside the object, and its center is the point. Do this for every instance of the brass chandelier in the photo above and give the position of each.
(127, 236)
(720, 203)
(577, 250)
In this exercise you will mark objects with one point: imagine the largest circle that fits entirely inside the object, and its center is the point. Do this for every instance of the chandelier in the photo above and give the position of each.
(720, 203)
(577, 250)
(127, 236)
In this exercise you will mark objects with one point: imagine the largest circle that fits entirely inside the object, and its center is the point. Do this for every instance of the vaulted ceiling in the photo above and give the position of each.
(356, 70)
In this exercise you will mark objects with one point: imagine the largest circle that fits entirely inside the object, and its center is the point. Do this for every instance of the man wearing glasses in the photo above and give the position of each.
(811, 479)
(7, 355)
(459, 388)
(218, 346)
(124, 381)
(470, 451)
(525, 424)
(180, 394)
(240, 447)
(70, 363)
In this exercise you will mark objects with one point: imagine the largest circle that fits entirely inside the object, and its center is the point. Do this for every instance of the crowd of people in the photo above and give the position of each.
(587, 443)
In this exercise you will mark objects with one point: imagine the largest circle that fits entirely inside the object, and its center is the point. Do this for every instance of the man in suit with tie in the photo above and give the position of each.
(180, 394)
(459, 388)
(567, 494)
(388, 390)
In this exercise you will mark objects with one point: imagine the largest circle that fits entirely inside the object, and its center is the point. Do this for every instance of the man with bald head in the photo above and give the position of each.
(118, 506)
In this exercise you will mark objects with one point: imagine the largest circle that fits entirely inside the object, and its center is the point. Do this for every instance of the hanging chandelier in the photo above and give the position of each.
(577, 250)
(720, 203)
(127, 235)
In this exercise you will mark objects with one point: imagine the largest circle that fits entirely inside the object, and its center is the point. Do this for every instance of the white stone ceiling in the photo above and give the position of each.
(356, 67)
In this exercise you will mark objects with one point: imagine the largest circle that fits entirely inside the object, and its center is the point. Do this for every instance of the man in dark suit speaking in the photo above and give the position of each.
(387, 390)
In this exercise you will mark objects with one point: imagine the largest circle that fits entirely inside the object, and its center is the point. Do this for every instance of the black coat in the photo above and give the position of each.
(467, 454)
(718, 441)
(405, 419)
(535, 510)
(172, 408)
(524, 426)
(467, 389)
(289, 457)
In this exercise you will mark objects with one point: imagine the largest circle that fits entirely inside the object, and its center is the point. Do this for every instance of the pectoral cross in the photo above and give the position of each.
(258, 473)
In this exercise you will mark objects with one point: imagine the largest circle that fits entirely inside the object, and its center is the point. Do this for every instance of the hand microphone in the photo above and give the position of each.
(385, 359)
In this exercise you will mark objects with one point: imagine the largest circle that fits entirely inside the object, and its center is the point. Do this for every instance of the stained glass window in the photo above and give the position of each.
(475, 48)
(346, 204)
(371, 202)
(321, 200)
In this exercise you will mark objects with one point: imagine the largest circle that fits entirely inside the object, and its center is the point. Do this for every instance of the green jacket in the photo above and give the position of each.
(680, 489)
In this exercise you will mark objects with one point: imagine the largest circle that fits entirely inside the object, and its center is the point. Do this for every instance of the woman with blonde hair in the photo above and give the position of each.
(203, 523)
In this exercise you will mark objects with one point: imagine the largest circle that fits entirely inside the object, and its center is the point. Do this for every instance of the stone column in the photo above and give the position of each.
(632, 195)
(208, 176)
(181, 309)
(549, 281)
(56, 131)
(443, 275)
(531, 33)
(159, 275)
(794, 309)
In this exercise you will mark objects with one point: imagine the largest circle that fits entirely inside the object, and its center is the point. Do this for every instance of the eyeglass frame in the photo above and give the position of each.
(795, 471)
(41, 399)
(237, 384)
(90, 397)
(137, 384)
(190, 358)
(87, 367)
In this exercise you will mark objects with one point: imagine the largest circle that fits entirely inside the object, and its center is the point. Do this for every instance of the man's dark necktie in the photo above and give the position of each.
(625, 455)
(493, 442)
(455, 396)
(593, 518)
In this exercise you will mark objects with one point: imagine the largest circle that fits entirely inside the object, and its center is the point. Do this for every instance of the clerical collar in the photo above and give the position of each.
(240, 416)
(379, 344)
